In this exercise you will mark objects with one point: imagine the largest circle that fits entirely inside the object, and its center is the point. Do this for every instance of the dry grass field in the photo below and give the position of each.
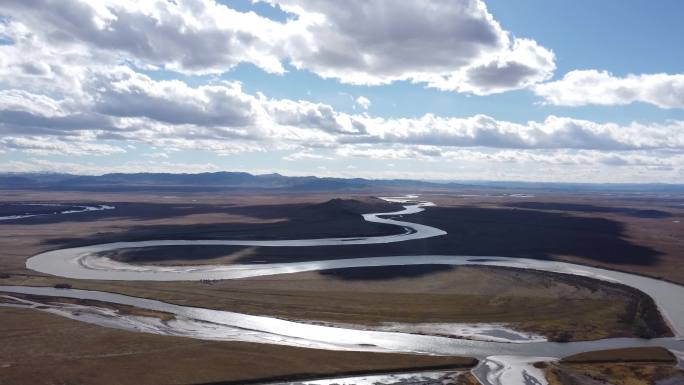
(559, 307)
(641, 366)
(43, 349)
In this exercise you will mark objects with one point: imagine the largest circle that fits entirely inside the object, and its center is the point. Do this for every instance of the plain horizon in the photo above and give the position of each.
(540, 184)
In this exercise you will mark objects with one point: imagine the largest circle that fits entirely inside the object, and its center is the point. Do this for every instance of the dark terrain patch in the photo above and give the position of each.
(10, 209)
(493, 231)
(335, 218)
(375, 273)
(587, 208)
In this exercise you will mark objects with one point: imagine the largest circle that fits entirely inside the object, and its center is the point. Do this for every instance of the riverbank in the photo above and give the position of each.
(41, 349)
(640, 366)
(557, 306)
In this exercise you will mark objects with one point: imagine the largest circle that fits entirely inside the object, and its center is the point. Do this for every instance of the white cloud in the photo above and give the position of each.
(305, 155)
(524, 64)
(363, 102)
(222, 118)
(89, 168)
(390, 152)
(303, 114)
(125, 93)
(514, 164)
(40, 146)
(586, 87)
(450, 45)
(199, 36)
(552, 133)
(31, 63)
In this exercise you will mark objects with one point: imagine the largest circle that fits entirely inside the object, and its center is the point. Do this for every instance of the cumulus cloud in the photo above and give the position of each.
(30, 63)
(125, 93)
(513, 156)
(195, 36)
(523, 65)
(221, 117)
(552, 133)
(450, 45)
(586, 87)
(38, 145)
(307, 115)
(391, 152)
(25, 113)
(41, 165)
(567, 164)
(363, 102)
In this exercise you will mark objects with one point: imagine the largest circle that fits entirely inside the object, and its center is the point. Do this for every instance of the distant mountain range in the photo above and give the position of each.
(217, 181)
(202, 181)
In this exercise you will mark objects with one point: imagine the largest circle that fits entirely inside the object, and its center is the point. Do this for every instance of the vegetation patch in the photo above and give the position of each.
(623, 355)
(43, 349)
(633, 366)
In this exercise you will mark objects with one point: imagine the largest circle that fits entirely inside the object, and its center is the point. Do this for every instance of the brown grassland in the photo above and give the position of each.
(639, 366)
(40, 348)
(632, 234)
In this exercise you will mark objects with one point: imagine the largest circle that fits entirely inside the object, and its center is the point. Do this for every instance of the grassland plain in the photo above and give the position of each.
(40, 348)
(558, 306)
(637, 235)
(628, 234)
(410, 294)
(651, 244)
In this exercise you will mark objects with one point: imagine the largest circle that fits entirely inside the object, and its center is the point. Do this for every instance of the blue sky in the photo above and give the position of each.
(532, 90)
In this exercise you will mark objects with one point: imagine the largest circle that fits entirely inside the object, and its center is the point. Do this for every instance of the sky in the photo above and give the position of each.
(531, 90)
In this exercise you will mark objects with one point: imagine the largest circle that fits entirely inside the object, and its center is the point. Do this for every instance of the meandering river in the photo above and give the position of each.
(501, 363)
(56, 209)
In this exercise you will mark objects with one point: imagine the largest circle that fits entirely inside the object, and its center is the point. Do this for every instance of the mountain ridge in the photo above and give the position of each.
(228, 180)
